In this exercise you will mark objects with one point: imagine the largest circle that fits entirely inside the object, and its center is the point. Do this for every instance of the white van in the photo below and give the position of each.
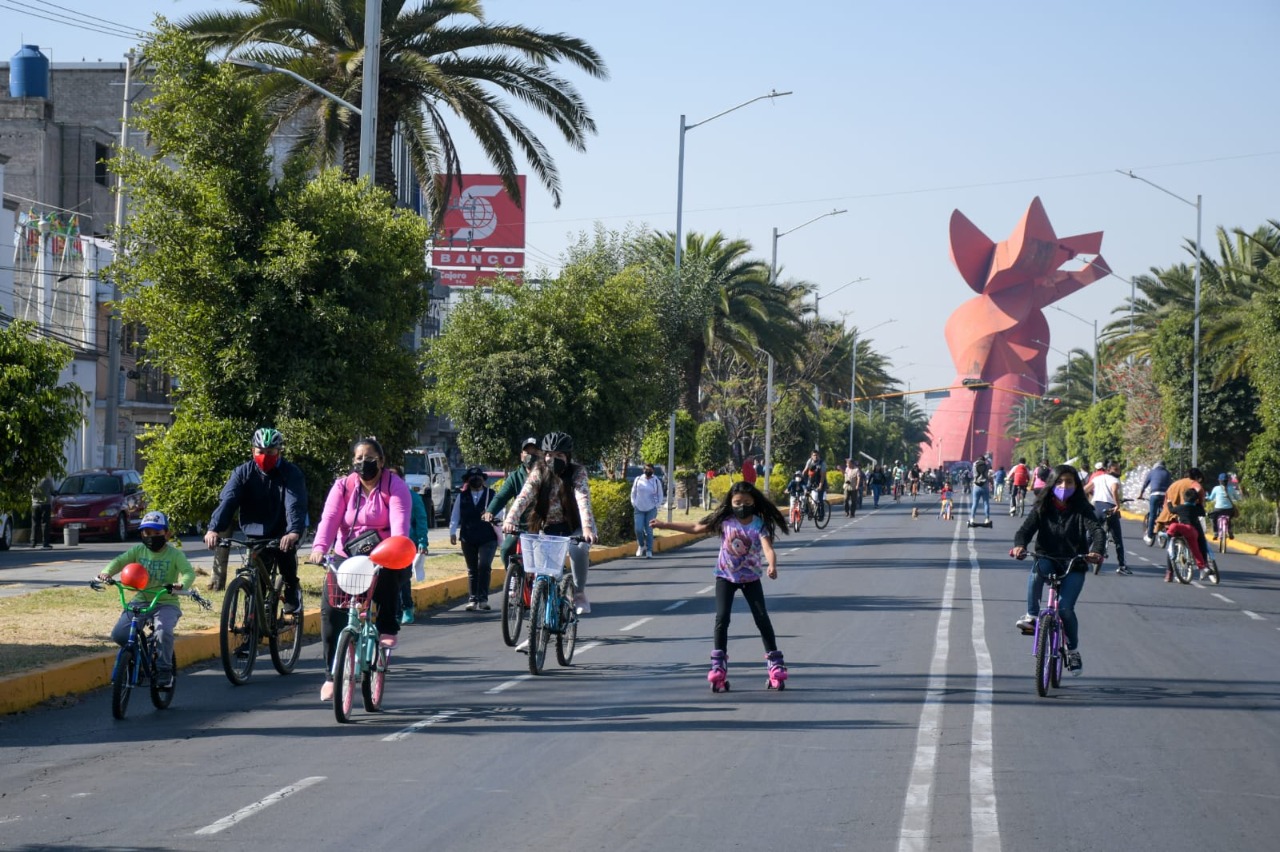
(426, 470)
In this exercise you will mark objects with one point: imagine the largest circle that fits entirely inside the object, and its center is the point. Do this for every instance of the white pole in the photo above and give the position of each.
(768, 428)
(671, 429)
(853, 389)
(1095, 361)
(1195, 356)
(111, 413)
(369, 89)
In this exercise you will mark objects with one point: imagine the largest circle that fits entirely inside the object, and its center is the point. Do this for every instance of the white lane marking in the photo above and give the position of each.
(419, 725)
(983, 812)
(675, 605)
(704, 591)
(917, 807)
(587, 647)
(1197, 584)
(633, 625)
(1253, 615)
(1223, 598)
(503, 687)
(244, 813)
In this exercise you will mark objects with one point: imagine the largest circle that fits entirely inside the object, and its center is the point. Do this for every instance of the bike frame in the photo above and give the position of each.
(262, 580)
(139, 638)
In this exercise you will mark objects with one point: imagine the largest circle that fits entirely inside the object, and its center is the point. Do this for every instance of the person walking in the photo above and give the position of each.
(749, 470)
(42, 512)
(981, 493)
(852, 487)
(479, 539)
(646, 496)
(747, 523)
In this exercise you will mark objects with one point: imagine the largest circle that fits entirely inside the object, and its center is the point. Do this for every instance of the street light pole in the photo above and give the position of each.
(1095, 346)
(369, 89)
(1195, 347)
(110, 438)
(853, 383)
(773, 264)
(679, 250)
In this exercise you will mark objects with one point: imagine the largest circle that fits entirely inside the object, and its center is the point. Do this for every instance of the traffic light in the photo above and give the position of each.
(975, 384)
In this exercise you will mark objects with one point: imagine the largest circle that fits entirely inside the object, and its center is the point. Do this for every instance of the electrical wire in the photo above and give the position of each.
(64, 22)
(115, 24)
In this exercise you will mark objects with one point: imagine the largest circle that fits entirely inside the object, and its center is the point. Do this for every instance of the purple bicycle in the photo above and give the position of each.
(1050, 647)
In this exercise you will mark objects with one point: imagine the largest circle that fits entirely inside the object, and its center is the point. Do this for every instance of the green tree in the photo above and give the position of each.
(271, 302)
(654, 447)
(713, 445)
(439, 58)
(37, 414)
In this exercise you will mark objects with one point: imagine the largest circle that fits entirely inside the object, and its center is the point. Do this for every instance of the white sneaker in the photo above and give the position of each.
(471, 606)
(1148, 540)
(581, 604)
(639, 551)
(523, 647)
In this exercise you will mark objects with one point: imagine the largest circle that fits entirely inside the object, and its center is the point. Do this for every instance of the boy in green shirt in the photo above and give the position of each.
(166, 565)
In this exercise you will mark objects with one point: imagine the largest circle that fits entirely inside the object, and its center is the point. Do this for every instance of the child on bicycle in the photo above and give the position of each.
(796, 490)
(944, 510)
(166, 565)
(747, 522)
(1064, 525)
(1187, 513)
(1222, 498)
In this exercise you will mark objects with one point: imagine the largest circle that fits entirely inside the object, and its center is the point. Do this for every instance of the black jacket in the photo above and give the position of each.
(1070, 532)
(277, 500)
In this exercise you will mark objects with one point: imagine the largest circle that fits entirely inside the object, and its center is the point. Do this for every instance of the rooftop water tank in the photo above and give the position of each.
(29, 73)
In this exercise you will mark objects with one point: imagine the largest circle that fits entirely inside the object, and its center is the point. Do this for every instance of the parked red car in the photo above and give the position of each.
(100, 501)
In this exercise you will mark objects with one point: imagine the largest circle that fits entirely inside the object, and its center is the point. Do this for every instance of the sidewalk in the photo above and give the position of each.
(23, 691)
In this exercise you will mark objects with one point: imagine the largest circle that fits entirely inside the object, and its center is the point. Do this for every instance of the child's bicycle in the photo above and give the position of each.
(139, 658)
(357, 656)
(945, 511)
(551, 609)
(253, 609)
(1050, 646)
(1222, 525)
(797, 512)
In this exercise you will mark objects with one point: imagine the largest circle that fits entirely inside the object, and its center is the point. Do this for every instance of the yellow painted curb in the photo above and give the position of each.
(22, 691)
(1232, 545)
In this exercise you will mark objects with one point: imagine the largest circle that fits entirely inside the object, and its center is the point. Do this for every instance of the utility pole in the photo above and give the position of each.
(110, 446)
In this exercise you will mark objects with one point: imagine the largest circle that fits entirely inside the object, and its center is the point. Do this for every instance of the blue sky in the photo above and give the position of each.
(901, 113)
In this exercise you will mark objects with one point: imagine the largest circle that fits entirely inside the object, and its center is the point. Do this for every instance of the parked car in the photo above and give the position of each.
(426, 471)
(100, 501)
(6, 531)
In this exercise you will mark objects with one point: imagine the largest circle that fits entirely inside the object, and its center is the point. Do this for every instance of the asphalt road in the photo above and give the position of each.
(910, 722)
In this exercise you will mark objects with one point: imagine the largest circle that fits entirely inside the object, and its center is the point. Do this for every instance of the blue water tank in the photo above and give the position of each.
(29, 73)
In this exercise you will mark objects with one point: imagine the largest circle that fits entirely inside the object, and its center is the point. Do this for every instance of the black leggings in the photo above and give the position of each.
(753, 593)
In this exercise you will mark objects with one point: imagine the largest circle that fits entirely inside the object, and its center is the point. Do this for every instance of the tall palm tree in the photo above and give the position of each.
(440, 59)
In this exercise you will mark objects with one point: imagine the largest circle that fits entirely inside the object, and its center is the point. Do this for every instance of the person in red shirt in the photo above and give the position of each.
(749, 471)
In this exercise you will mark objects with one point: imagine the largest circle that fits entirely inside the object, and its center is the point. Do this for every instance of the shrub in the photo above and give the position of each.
(1257, 515)
(611, 502)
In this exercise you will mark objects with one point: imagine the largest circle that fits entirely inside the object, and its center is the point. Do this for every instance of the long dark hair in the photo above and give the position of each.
(1077, 502)
(773, 519)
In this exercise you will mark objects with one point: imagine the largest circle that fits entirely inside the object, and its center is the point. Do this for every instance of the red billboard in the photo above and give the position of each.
(480, 214)
(478, 258)
(471, 277)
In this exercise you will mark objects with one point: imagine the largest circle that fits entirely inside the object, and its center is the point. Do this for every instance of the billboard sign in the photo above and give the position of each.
(480, 214)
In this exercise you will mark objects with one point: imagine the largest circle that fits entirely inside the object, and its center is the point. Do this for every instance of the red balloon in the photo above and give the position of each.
(135, 576)
(395, 552)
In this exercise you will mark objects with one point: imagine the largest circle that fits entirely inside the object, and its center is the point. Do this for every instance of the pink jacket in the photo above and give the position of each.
(348, 511)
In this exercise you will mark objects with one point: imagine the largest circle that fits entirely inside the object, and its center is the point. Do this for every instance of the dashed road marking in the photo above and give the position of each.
(704, 591)
(675, 605)
(419, 725)
(633, 625)
(502, 687)
(1223, 598)
(246, 812)
(1253, 615)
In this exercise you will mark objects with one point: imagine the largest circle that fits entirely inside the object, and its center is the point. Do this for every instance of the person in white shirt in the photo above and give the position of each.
(646, 496)
(1104, 489)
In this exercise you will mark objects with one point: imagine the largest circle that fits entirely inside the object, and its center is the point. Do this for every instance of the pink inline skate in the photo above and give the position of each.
(718, 677)
(777, 670)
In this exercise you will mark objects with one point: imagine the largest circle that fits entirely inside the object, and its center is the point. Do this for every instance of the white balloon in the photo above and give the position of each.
(356, 575)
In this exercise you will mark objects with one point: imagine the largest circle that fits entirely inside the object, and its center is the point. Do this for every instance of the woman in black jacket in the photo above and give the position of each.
(1064, 526)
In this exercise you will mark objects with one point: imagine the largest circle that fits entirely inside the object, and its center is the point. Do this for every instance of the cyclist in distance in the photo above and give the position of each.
(270, 494)
(1221, 501)
(558, 497)
(815, 471)
(1178, 495)
(511, 485)
(1158, 479)
(1103, 488)
(1187, 513)
(1063, 524)
(1019, 479)
(796, 488)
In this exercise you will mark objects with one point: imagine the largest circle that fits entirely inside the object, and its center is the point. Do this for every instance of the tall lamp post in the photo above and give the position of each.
(1095, 345)
(1195, 346)
(768, 421)
(685, 128)
(773, 264)
(853, 381)
(817, 399)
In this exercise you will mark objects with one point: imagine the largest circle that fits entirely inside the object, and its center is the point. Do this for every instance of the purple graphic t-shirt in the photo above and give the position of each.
(741, 555)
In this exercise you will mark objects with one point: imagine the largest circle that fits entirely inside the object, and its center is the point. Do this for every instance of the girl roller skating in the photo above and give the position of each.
(746, 522)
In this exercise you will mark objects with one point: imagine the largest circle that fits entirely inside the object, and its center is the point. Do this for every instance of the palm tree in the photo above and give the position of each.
(438, 60)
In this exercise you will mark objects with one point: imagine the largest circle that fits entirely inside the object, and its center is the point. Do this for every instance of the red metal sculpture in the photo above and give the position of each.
(993, 336)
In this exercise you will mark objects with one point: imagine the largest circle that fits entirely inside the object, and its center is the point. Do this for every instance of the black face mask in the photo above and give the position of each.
(743, 512)
(528, 461)
(155, 543)
(476, 484)
(366, 469)
(559, 466)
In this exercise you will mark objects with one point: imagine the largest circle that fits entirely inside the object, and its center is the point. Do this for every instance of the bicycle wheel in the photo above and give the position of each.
(122, 680)
(821, 517)
(567, 638)
(238, 631)
(512, 604)
(1057, 655)
(1184, 567)
(1224, 532)
(345, 672)
(161, 696)
(286, 637)
(374, 680)
(538, 633)
(797, 517)
(1044, 659)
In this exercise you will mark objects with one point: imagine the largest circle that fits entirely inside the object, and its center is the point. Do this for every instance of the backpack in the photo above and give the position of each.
(1043, 473)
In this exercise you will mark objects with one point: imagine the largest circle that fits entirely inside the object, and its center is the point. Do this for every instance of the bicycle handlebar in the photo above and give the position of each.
(203, 602)
(250, 543)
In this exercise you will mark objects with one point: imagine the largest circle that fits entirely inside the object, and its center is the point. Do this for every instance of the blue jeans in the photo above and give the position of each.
(644, 532)
(1155, 504)
(1068, 594)
(981, 497)
(875, 494)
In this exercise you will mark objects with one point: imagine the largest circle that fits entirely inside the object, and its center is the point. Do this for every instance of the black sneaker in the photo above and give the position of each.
(1123, 569)
(164, 680)
(1074, 665)
(292, 598)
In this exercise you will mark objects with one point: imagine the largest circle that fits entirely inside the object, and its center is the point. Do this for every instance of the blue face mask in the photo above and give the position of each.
(1063, 492)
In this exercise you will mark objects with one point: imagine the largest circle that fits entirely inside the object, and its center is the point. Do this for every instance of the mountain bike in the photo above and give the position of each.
(253, 609)
(139, 658)
(358, 655)
(517, 589)
(1050, 645)
(816, 509)
(551, 609)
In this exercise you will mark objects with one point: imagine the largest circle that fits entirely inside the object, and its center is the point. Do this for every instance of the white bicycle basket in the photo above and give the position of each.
(544, 554)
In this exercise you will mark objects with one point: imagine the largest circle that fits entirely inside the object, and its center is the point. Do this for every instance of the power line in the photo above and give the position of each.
(94, 18)
(67, 23)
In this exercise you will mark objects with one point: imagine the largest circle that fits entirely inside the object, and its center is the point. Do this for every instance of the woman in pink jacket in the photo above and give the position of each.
(374, 498)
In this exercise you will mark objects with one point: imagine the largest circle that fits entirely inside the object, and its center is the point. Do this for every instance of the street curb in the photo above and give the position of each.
(1232, 545)
(22, 691)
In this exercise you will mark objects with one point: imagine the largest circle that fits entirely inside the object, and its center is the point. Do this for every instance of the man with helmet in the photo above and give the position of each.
(558, 498)
(530, 452)
(270, 494)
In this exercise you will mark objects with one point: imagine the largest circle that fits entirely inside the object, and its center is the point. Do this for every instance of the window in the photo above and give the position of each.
(101, 153)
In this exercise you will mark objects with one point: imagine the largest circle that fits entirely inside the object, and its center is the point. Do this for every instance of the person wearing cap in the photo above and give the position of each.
(479, 539)
(166, 565)
(511, 485)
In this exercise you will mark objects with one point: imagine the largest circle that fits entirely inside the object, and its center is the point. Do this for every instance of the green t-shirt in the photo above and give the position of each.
(168, 566)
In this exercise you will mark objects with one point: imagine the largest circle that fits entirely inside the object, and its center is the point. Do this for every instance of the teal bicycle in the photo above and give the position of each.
(551, 609)
(359, 660)
(139, 658)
